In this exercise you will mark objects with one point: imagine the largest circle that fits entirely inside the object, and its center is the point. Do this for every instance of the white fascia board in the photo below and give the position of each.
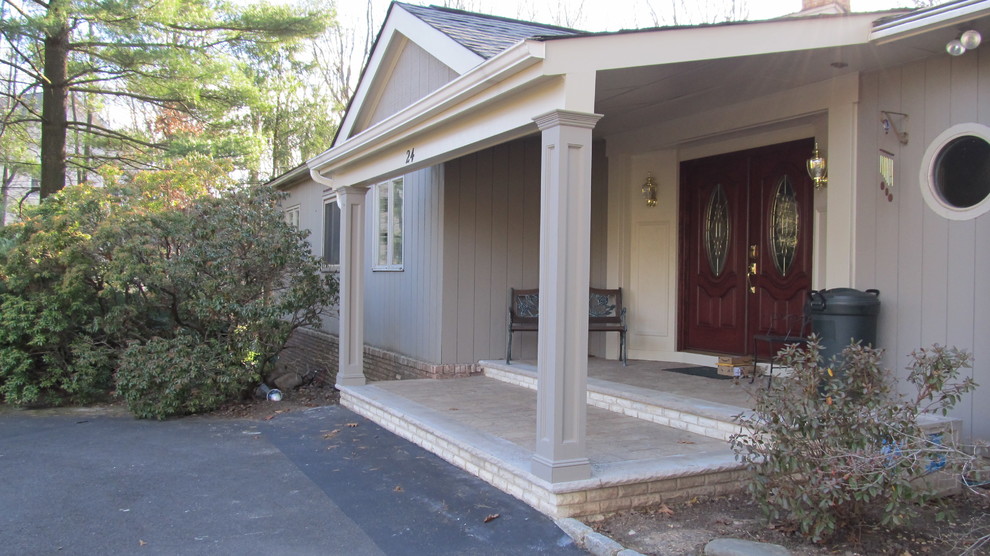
(469, 92)
(403, 25)
(454, 134)
(452, 53)
(929, 20)
(671, 46)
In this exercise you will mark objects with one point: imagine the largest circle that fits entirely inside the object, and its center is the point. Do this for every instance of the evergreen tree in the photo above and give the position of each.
(173, 60)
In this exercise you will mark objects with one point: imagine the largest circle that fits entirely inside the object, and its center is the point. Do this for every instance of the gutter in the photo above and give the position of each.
(287, 179)
(922, 21)
(512, 61)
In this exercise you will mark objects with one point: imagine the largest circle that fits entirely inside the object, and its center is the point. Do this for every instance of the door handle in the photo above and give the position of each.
(750, 272)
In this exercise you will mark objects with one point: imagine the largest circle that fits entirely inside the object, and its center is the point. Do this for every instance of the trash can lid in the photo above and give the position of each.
(844, 301)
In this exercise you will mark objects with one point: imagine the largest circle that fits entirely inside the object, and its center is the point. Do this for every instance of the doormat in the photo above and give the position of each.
(705, 372)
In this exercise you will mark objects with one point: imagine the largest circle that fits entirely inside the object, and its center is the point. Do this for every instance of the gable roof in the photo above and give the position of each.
(459, 39)
(485, 35)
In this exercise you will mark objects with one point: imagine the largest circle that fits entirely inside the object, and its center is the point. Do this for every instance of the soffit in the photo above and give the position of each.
(629, 96)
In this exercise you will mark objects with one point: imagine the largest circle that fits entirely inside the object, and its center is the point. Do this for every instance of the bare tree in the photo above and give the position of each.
(340, 52)
(466, 5)
(569, 14)
(694, 12)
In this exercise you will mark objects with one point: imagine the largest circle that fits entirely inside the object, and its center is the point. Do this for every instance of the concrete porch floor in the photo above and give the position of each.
(653, 436)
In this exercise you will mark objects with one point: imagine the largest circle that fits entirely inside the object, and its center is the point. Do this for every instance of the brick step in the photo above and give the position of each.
(711, 419)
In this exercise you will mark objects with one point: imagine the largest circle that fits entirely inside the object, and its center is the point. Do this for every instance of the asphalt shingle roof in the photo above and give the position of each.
(485, 35)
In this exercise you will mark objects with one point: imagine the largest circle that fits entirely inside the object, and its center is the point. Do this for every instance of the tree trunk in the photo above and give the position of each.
(8, 178)
(54, 105)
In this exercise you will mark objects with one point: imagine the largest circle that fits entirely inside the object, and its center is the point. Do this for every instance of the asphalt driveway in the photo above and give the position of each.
(323, 481)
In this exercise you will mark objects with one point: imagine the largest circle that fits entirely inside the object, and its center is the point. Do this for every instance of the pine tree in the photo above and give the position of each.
(175, 60)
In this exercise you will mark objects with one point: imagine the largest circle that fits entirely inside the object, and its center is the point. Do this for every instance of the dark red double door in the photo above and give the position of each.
(746, 233)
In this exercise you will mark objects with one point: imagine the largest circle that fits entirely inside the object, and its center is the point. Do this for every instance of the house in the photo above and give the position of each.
(481, 154)
(19, 166)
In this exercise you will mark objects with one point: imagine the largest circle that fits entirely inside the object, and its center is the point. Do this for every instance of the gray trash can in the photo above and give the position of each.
(843, 315)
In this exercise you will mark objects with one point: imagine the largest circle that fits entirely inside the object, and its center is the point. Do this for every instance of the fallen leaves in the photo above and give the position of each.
(398, 488)
(280, 411)
(331, 434)
(492, 517)
(351, 425)
(665, 510)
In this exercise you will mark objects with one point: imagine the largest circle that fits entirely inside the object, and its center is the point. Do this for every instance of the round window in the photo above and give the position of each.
(955, 178)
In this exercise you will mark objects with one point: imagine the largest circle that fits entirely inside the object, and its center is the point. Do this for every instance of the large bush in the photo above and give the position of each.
(180, 375)
(834, 446)
(52, 348)
(189, 286)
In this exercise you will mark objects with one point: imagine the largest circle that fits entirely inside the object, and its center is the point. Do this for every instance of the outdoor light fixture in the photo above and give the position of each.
(966, 41)
(650, 191)
(817, 169)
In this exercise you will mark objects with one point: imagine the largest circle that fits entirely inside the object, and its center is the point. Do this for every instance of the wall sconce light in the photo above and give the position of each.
(817, 169)
(966, 41)
(650, 190)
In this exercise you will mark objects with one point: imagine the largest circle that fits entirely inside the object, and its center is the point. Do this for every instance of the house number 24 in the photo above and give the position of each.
(410, 155)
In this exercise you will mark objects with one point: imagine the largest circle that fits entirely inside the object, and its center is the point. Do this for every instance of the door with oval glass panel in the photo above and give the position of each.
(745, 245)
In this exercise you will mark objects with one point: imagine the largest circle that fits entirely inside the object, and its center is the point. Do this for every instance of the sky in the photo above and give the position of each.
(607, 15)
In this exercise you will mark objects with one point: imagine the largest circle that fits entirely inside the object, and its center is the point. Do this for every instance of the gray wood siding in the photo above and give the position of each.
(416, 74)
(926, 266)
(402, 311)
(308, 196)
(491, 210)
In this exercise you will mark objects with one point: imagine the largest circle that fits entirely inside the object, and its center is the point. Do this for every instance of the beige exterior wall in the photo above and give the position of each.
(928, 269)
(642, 250)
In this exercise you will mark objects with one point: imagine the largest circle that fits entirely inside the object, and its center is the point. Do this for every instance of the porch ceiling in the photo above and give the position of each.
(628, 97)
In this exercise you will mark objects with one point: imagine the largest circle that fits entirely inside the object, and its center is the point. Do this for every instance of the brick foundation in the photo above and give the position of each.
(308, 350)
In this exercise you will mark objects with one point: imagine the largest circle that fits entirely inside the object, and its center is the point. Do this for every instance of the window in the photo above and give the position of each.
(388, 210)
(961, 171)
(292, 216)
(331, 233)
(955, 172)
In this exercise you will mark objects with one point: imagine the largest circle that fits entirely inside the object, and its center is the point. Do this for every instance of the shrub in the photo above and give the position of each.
(173, 260)
(225, 272)
(50, 352)
(179, 376)
(834, 446)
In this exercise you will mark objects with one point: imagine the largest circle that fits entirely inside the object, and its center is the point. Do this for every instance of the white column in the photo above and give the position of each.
(565, 260)
(350, 370)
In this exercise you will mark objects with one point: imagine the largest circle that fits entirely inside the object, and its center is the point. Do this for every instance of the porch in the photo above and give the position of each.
(652, 435)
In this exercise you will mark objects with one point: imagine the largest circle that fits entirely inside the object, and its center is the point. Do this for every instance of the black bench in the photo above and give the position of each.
(605, 314)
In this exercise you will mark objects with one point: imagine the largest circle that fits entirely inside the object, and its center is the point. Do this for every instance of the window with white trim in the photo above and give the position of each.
(955, 172)
(331, 233)
(292, 217)
(388, 213)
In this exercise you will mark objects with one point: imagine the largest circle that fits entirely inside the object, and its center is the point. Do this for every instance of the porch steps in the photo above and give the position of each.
(681, 465)
(707, 418)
